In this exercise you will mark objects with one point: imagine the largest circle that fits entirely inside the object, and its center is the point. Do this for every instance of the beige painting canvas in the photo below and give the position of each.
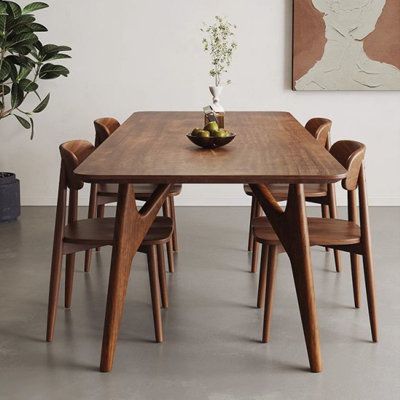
(346, 45)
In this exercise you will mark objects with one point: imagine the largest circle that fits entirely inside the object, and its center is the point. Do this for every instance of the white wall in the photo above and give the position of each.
(131, 55)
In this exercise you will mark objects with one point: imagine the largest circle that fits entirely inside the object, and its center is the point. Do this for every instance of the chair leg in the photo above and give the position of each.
(55, 278)
(370, 288)
(170, 255)
(69, 278)
(166, 208)
(100, 214)
(161, 275)
(254, 258)
(325, 214)
(173, 216)
(155, 292)
(269, 293)
(252, 213)
(91, 214)
(333, 214)
(263, 276)
(355, 275)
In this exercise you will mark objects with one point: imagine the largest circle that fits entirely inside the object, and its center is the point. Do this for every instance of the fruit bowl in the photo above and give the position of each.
(211, 142)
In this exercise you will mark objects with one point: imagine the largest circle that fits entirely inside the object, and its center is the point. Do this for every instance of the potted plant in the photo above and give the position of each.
(24, 61)
(220, 44)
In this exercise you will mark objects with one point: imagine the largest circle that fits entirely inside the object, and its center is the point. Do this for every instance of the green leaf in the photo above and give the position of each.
(38, 27)
(22, 20)
(55, 56)
(23, 121)
(6, 90)
(17, 95)
(22, 39)
(42, 105)
(23, 73)
(28, 86)
(3, 21)
(32, 128)
(34, 7)
(51, 71)
(3, 8)
(4, 70)
(53, 48)
(14, 8)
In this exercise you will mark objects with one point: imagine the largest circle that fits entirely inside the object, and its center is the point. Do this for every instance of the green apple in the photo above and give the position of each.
(211, 127)
(196, 131)
(222, 133)
(204, 133)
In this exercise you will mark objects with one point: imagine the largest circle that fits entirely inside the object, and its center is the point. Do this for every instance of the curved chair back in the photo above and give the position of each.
(320, 128)
(74, 153)
(351, 155)
(104, 127)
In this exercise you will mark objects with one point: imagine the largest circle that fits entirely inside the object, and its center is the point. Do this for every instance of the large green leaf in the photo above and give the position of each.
(3, 8)
(17, 95)
(42, 105)
(4, 70)
(34, 7)
(14, 8)
(59, 56)
(12, 23)
(21, 60)
(3, 20)
(23, 73)
(26, 124)
(38, 27)
(22, 39)
(28, 85)
(4, 88)
(51, 71)
(32, 127)
(53, 48)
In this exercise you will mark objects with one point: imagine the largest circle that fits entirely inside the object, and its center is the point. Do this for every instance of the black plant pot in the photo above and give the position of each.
(10, 207)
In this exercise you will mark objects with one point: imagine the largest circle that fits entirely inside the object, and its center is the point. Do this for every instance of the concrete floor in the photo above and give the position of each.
(212, 349)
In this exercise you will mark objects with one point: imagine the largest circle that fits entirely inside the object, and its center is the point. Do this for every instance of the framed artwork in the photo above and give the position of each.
(346, 45)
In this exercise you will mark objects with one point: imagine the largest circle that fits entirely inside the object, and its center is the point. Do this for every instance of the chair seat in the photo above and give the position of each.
(280, 190)
(322, 231)
(100, 231)
(142, 190)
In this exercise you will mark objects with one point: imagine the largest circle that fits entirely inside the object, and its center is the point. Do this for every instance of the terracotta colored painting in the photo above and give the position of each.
(346, 45)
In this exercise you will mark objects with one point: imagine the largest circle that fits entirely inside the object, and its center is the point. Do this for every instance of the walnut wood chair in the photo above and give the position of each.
(337, 234)
(324, 195)
(79, 235)
(102, 194)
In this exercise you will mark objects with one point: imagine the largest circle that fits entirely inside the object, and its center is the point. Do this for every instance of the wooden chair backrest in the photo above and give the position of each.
(74, 153)
(104, 127)
(320, 128)
(351, 155)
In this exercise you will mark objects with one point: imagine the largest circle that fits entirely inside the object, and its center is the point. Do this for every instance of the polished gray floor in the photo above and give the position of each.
(212, 349)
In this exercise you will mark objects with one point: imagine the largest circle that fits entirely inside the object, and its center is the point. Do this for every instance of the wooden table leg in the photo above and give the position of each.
(131, 227)
(291, 227)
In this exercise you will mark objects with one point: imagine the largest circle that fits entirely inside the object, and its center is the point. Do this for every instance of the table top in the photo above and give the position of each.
(152, 147)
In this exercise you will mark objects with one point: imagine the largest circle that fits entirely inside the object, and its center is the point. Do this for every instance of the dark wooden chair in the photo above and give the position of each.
(337, 234)
(102, 194)
(81, 235)
(324, 195)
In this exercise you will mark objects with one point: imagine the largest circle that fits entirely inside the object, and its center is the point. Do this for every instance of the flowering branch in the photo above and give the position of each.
(220, 44)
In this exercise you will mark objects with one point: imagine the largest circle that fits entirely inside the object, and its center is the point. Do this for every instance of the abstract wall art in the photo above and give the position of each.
(346, 45)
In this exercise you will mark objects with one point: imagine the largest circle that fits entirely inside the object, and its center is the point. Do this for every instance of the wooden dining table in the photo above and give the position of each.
(152, 147)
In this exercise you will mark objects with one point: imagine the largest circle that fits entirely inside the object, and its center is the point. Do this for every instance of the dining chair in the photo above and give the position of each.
(324, 195)
(79, 235)
(344, 235)
(102, 194)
